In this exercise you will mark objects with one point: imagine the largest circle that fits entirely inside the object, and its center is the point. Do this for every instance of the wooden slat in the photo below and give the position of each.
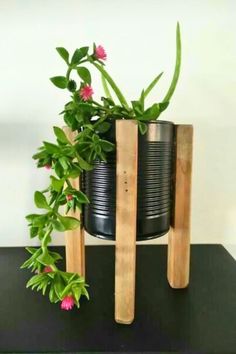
(126, 215)
(74, 239)
(179, 236)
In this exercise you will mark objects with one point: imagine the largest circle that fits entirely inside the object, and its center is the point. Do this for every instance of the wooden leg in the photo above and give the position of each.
(179, 236)
(126, 216)
(74, 239)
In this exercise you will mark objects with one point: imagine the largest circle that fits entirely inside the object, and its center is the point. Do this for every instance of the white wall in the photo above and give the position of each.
(139, 37)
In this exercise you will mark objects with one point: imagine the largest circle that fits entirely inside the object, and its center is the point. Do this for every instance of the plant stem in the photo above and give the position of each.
(83, 61)
(44, 245)
(45, 190)
(68, 73)
(54, 267)
(99, 105)
(106, 88)
(115, 88)
(99, 121)
(68, 183)
(177, 66)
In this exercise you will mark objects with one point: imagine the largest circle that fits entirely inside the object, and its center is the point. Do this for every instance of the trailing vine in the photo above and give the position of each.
(89, 120)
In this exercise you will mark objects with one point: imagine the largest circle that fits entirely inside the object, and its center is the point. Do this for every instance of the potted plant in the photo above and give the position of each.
(92, 156)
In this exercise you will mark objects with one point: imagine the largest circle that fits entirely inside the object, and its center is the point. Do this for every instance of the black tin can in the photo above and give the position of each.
(155, 175)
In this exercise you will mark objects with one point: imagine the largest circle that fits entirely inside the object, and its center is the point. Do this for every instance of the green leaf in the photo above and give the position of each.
(109, 102)
(40, 155)
(57, 225)
(84, 164)
(85, 292)
(82, 198)
(26, 264)
(30, 262)
(45, 258)
(76, 292)
(69, 222)
(72, 86)
(89, 126)
(177, 66)
(58, 169)
(61, 136)
(57, 184)
(86, 108)
(107, 145)
(152, 84)
(141, 100)
(33, 231)
(70, 106)
(78, 280)
(84, 74)
(68, 150)
(97, 149)
(40, 221)
(51, 148)
(151, 113)
(95, 138)
(74, 172)
(142, 127)
(71, 121)
(137, 107)
(45, 288)
(58, 287)
(79, 54)
(42, 285)
(63, 53)
(52, 295)
(56, 256)
(163, 106)
(66, 291)
(36, 279)
(59, 81)
(40, 201)
(31, 250)
(63, 162)
(103, 127)
(31, 217)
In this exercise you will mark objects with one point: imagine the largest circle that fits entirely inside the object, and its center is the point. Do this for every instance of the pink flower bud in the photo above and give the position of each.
(100, 53)
(47, 269)
(67, 303)
(86, 92)
(69, 197)
(48, 166)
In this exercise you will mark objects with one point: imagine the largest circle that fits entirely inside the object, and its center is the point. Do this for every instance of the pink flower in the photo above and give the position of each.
(67, 303)
(47, 269)
(48, 166)
(86, 92)
(69, 197)
(100, 53)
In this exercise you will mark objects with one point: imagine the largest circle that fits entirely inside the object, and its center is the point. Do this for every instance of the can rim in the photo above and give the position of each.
(160, 122)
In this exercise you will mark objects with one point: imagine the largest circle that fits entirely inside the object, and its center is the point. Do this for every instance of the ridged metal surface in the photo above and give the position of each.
(155, 171)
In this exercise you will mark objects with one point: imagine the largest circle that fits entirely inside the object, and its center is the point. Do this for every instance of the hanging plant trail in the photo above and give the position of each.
(90, 119)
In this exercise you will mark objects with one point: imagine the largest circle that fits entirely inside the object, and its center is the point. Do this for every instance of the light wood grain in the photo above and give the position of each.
(126, 216)
(179, 235)
(74, 239)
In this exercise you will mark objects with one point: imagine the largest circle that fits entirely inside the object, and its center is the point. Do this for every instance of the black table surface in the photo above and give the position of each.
(199, 319)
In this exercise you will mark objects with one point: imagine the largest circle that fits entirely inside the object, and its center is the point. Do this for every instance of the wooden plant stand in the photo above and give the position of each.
(74, 239)
(126, 217)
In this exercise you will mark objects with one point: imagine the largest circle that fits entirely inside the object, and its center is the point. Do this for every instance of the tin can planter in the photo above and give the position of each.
(155, 175)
